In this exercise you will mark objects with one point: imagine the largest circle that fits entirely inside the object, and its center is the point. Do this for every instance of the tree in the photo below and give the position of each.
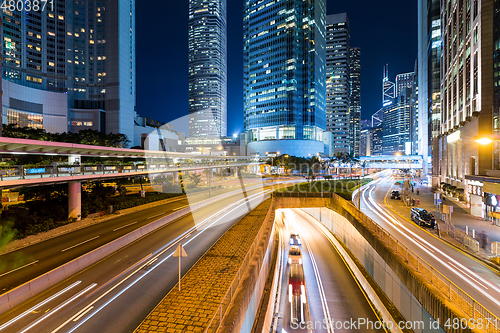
(87, 136)
(351, 159)
(340, 159)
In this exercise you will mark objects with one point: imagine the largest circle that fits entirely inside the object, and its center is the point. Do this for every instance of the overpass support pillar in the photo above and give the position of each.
(75, 200)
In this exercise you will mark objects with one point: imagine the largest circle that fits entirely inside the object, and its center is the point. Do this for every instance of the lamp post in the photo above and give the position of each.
(485, 139)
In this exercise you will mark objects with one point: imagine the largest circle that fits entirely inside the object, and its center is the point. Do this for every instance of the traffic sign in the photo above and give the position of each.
(180, 250)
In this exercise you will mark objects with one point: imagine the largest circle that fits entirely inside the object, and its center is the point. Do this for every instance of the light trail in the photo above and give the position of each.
(424, 245)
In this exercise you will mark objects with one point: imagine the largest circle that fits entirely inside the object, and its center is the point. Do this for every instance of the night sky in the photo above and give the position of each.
(385, 30)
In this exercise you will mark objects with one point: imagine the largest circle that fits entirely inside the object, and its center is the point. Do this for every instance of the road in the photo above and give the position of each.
(25, 264)
(472, 276)
(116, 294)
(335, 302)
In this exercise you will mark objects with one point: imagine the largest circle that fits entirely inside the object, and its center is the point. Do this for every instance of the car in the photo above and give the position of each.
(422, 217)
(294, 255)
(295, 240)
(395, 195)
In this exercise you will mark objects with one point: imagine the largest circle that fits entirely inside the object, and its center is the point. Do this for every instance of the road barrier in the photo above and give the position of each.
(226, 303)
(472, 309)
(31, 288)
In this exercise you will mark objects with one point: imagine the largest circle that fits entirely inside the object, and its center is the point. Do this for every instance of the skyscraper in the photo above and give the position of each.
(396, 125)
(284, 51)
(207, 68)
(72, 56)
(429, 82)
(469, 100)
(378, 118)
(388, 88)
(403, 81)
(355, 121)
(338, 82)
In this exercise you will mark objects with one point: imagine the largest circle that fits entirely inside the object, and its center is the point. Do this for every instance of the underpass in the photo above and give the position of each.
(335, 300)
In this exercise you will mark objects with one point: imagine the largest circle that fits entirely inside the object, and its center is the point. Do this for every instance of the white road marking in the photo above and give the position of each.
(125, 226)
(178, 208)
(155, 215)
(88, 240)
(413, 237)
(324, 304)
(161, 252)
(39, 305)
(59, 307)
(83, 314)
(31, 263)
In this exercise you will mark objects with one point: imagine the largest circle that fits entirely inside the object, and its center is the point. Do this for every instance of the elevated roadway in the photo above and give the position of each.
(115, 294)
(474, 277)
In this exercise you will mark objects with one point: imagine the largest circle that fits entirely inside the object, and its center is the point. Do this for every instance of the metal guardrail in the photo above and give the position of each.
(473, 309)
(451, 291)
(22, 172)
(225, 303)
(459, 235)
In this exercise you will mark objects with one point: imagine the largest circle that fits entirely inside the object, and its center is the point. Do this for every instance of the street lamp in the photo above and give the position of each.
(485, 139)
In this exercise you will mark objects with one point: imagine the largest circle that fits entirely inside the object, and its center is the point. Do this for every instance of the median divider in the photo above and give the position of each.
(31, 288)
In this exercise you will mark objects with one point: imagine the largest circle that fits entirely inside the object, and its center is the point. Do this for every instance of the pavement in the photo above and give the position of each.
(206, 283)
(472, 275)
(333, 294)
(115, 294)
(460, 217)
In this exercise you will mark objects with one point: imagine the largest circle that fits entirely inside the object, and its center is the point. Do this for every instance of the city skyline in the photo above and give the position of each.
(175, 91)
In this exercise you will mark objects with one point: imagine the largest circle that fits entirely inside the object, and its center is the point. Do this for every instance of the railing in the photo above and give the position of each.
(22, 172)
(451, 291)
(459, 235)
(448, 289)
(225, 303)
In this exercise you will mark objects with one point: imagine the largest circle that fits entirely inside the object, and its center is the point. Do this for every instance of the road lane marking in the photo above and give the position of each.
(39, 305)
(125, 226)
(322, 296)
(155, 215)
(31, 263)
(461, 270)
(88, 240)
(59, 307)
(253, 197)
(455, 271)
(83, 314)
(178, 208)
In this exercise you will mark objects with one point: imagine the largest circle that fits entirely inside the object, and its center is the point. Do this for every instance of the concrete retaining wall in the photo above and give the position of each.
(246, 302)
(415, 299)
(24, 292)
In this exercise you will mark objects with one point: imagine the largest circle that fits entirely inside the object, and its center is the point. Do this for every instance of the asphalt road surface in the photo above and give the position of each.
(474, 277)
(20, 266)
(334, 300)
(116, 294)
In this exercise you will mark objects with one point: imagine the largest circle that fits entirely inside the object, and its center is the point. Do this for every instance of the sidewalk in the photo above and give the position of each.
(460, 217)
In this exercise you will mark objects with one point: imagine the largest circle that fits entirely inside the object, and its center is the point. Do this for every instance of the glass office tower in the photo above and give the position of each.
(338, 82)
(207, 68)
(285, 76)
(355, 120)
(73, 55)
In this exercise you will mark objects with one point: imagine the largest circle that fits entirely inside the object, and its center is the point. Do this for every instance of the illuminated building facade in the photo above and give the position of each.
(284, 76)
(338, 84)
(82, 52)
(388, 88)
(355, 121)
(429, 83)
(207, 68)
